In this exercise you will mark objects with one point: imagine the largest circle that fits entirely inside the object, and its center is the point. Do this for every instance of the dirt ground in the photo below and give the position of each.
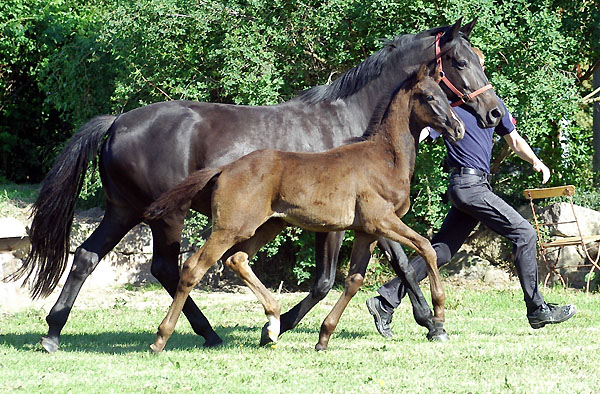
(13, 298)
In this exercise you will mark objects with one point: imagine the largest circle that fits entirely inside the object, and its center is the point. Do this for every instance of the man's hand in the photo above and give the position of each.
(538, 166)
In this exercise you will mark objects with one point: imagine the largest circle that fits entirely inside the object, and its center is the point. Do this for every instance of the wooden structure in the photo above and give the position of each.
(585, 241)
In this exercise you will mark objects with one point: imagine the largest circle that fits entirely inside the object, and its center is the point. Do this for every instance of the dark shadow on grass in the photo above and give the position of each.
(121, 342)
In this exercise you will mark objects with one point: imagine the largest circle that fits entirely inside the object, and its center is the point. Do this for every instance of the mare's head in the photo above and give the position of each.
(465, 82)
(429, 106)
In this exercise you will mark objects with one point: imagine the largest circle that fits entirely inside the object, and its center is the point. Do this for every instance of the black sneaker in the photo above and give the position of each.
(551, 314)
(382, 318)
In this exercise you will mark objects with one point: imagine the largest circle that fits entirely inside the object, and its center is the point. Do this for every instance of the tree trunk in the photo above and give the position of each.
(596, 127)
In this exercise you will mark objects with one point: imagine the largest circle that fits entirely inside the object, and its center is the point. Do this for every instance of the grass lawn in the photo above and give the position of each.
(492, 349)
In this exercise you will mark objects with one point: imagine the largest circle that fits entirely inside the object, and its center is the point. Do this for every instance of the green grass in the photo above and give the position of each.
(13, 196)
(492, 350)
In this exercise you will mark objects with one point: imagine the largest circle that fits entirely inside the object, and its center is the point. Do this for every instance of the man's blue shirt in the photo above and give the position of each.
(475, 149)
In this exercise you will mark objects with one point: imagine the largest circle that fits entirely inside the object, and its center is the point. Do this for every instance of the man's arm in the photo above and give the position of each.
(524, 151)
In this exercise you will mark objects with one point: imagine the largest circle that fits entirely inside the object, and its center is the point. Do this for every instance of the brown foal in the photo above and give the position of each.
(364, 186)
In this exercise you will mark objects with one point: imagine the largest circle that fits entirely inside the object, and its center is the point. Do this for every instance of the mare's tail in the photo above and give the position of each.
(54, 208)
(181, 194)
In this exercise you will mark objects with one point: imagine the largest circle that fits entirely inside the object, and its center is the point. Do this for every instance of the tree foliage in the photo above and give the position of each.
(64, 61)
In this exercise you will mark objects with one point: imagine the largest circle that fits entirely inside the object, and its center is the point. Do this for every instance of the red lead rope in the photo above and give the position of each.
(463, 97)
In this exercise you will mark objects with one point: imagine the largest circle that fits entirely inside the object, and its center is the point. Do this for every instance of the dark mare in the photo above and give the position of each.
(147, 151)
(363, 187)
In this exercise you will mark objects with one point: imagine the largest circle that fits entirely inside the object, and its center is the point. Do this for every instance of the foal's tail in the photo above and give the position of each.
(54, 208)
(181, 194)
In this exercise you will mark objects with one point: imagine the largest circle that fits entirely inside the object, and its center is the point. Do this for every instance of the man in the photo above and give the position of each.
(472, 202)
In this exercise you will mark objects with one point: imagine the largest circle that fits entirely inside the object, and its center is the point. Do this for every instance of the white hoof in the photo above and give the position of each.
(274, 328)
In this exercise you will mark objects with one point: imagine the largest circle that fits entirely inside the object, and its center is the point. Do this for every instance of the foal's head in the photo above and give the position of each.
(430, 106)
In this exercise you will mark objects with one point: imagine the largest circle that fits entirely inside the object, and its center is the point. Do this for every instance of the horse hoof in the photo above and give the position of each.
(438, 337)
(49, 344)
(153, 349)
(213, 341)
(319, 347)
(264, 335)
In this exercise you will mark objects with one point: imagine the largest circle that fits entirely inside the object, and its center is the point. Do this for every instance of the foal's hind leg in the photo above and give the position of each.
(239, 263)
(166, 235)
(193, 270)
(327, 248)
(115, 224)
(237, 259)
(361, 252)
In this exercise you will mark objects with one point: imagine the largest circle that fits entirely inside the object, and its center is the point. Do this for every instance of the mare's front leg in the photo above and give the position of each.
(361, 253)
(327, 248)
(192, 272)
(406, 273)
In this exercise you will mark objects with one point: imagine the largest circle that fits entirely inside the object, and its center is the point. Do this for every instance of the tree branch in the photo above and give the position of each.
(588, 74)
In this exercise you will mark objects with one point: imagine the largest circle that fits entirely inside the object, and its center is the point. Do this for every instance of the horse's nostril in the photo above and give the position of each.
(494, 116)
(496, 113)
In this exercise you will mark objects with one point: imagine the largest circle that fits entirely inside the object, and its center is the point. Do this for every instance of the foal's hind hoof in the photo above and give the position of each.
(437, 333)
(269, 333)
(49, 344)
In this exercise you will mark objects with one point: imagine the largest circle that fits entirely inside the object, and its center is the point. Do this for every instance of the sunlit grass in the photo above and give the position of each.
(492, 349)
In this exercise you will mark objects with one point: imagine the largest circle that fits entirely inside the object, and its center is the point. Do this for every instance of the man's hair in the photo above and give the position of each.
(479, 55)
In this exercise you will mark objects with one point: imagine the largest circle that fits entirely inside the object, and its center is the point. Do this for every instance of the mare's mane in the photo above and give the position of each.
(368, 70)
(382, 110)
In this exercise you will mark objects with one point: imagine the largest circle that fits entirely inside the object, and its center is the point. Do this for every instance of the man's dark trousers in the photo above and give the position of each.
(472, 202)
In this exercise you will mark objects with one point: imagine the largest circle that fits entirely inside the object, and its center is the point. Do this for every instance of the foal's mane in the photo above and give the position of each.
(371, 68)
(382, 110)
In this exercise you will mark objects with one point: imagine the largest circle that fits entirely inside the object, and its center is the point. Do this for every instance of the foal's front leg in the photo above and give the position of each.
(361, 253)
(327, 248)
(405, 271)
(393, 228)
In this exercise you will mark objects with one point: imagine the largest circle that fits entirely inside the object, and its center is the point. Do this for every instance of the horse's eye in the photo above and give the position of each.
(462, 63)
(429, 97)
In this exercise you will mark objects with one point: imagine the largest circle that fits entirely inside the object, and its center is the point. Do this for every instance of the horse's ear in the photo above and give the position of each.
(468, 28)
(436, 73)
(422, 72)
(455, 29)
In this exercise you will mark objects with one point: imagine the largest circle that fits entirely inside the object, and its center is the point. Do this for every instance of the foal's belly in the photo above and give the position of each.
(326, 216)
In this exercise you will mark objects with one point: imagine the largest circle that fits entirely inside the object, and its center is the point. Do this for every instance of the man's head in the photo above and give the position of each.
(480, 56)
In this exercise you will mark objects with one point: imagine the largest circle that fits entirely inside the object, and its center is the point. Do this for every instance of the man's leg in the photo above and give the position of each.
(480, 202)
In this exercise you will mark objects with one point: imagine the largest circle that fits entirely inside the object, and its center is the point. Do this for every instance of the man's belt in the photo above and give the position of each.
(470, 171)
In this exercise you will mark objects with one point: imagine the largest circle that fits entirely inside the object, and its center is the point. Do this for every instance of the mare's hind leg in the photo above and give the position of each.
(361, 252)
(239, 263)
(166, 236)
(192, 272)
(327, 248)
(405, 271)
(115, 224)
